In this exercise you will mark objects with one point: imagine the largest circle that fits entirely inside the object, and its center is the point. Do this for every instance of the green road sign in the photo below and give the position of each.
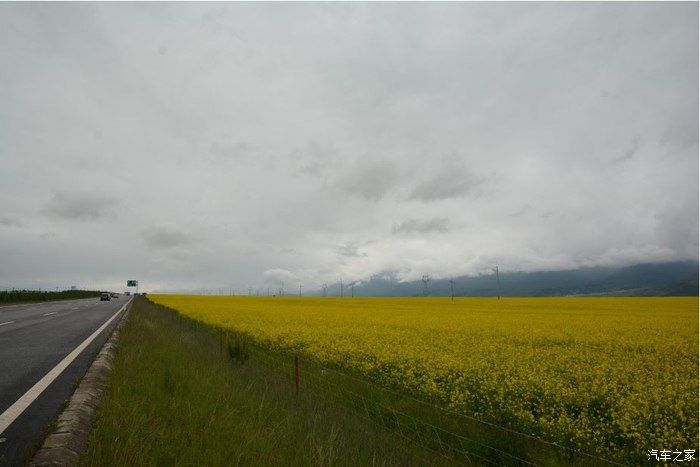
(132, 283)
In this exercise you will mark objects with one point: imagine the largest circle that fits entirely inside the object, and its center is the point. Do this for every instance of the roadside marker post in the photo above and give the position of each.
(221, 342)
(296, 374)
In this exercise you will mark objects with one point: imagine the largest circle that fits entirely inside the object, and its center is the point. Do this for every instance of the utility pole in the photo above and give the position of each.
(498, 283)
(425, 280)
(325, 287)
(352, 289)
(268, 291)
(452, 289)
(300, 290)
(341, 288)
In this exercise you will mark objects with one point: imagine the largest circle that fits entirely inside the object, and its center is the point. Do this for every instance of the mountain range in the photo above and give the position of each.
(649, 279)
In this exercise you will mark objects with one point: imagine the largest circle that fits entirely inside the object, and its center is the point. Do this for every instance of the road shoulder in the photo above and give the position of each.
(68, 440)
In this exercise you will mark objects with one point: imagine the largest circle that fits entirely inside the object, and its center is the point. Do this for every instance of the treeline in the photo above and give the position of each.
(16, 296)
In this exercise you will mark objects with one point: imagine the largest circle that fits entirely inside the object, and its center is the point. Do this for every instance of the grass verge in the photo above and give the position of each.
(180, 395)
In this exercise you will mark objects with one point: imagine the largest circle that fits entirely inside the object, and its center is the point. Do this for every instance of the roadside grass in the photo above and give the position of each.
(184, 394)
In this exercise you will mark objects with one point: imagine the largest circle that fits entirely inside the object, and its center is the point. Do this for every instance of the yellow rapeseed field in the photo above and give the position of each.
(600, 374)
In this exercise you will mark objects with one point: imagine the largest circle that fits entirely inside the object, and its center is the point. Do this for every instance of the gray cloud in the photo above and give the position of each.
(370, 180)
(522, 211)
(349, 249)
(318, 160)
(8, 221)
(415, 226)
(229, 144)
(278, 277)
(165, 237)
(631, 151)
(234, 151)
(448, 184)
(79, 206)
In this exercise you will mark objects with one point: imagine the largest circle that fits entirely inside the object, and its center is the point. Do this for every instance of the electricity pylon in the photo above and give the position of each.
(425, 280)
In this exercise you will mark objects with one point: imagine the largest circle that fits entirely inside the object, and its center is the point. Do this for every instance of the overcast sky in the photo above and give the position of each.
(236, 145)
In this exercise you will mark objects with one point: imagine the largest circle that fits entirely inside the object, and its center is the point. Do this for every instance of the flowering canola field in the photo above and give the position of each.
(598, 374)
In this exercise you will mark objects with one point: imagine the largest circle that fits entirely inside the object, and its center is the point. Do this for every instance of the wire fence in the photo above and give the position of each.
(456, 438)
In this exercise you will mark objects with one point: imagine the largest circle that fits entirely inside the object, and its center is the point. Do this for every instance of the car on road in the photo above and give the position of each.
(105, 297)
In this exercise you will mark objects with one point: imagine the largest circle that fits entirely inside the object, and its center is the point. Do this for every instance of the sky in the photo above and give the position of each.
(227, 146)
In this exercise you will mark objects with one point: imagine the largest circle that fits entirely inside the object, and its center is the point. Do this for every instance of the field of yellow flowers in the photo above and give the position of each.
(597, 374)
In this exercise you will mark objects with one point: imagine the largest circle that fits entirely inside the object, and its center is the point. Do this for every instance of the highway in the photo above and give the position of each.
(36, 342)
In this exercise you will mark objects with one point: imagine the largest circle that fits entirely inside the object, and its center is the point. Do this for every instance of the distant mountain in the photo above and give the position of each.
(661, 279)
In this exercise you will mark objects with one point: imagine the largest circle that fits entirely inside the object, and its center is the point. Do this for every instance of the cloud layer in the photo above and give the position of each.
(244, 145)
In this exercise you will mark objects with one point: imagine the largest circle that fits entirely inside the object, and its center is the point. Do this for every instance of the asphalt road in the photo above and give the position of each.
(34, 338)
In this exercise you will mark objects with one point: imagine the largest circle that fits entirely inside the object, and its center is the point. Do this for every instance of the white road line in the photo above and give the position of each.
(74, 308)
(7, 322)
(52, 313)
(16, 409)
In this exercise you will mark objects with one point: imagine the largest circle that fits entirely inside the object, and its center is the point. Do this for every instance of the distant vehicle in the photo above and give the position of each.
(105, 297)
(114, 295)
(127, 293)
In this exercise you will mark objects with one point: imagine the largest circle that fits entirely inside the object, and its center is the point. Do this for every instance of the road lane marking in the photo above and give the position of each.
(7, 322)
(74, 308)
(16, 409)
(52, 313)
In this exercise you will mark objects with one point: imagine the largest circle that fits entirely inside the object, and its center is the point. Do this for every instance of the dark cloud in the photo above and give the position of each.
(79, 206)
(369, 179)
(317, 160)
(165, 237)
(631, 151)
(8, 221)
(235, 151)
(415, 226)
(446, 185)
(349, 249)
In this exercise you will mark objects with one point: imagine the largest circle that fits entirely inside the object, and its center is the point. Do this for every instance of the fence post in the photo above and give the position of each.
(221, 342)
(296, 374)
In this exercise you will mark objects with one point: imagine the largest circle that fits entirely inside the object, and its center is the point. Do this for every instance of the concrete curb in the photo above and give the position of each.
(69, 438)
